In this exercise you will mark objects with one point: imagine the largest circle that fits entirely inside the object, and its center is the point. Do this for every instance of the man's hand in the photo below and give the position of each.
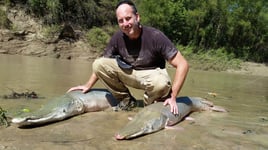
(173, 105)
(83, 88)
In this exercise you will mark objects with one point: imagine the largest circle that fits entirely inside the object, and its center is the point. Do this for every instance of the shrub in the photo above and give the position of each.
(4, 21)
(97, 38)
(50, 31)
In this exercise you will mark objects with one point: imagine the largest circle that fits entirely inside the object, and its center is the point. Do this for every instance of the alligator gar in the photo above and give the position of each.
(156, 116)
(68, 105)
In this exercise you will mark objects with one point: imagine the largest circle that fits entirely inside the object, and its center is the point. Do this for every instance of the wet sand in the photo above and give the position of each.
(95, 131)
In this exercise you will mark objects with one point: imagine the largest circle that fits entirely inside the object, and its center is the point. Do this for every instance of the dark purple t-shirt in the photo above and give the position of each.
(149, 51)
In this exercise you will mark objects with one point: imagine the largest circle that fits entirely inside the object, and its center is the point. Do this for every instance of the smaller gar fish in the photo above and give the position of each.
(156, 116)
(68, 105)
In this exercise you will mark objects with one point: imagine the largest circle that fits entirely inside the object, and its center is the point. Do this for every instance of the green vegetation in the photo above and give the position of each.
(50, 31)
(217, 59)
(238, 27)
(97, 38)
(3, 118)
(213, 29)
(4, 22)
(85, 13)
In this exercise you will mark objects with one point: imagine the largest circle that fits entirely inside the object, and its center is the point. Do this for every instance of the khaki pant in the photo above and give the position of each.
(155, 82)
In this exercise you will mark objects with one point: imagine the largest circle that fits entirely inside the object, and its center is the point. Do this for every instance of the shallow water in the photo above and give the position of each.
(245, 126)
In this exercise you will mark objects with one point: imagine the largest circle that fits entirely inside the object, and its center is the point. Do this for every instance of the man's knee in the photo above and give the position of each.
(97, 64)
(104, 64)
(162, 88)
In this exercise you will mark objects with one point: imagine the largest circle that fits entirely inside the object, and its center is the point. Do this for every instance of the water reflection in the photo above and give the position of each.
(244, 127)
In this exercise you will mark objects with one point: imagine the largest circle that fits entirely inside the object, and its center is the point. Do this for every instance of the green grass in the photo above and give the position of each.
(98, 38)
(3, 118)
(216, 60)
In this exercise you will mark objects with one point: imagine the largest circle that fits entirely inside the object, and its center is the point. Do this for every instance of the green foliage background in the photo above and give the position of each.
(236, 28)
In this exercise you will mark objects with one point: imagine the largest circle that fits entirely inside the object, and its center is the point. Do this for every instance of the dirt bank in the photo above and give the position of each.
(27, 37)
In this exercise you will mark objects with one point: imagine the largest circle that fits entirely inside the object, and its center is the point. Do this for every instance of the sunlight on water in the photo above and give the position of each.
(245, 126)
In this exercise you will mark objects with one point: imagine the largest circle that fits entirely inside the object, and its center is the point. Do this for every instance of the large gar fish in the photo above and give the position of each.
(66, 106)
(156, 116)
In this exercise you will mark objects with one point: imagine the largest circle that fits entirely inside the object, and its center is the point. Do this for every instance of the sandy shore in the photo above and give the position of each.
(249, 68)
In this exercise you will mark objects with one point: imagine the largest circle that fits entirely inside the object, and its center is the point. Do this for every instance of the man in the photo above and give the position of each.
(135, 57)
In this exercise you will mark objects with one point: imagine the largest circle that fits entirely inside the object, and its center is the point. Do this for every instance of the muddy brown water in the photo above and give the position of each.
(244, 127)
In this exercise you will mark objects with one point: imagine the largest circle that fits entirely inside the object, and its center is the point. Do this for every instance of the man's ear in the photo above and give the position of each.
(138, 17)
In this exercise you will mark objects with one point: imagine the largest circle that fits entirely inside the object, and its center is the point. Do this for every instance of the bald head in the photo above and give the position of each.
(128, 2)
(128, 20)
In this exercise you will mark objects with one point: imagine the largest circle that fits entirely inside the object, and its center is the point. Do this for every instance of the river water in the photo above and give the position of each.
(245, 126)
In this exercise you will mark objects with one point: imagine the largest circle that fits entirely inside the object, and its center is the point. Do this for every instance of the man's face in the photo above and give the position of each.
(128, 21)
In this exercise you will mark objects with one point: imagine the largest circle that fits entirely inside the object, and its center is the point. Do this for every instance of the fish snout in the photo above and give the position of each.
(119, 137)
(18, 120)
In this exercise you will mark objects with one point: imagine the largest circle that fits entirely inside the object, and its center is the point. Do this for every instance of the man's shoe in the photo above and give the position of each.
(127, 104)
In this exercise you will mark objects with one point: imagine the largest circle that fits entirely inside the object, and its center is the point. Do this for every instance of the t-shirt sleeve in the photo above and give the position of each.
(111, 48)
(167, 48)
(108, 51)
